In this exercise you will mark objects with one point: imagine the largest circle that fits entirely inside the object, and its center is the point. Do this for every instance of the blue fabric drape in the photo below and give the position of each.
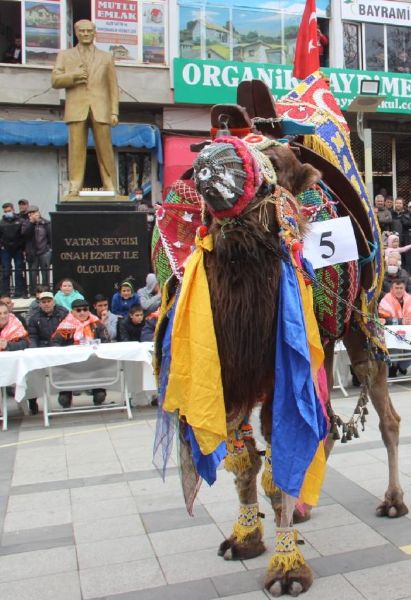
(298, 419)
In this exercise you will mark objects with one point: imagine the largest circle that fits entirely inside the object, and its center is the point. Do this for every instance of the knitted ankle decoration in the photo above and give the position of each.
(267, 482)
(248, 522)
(238, 460)
(287, 555)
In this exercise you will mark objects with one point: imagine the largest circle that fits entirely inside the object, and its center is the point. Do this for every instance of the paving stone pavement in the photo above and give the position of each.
(84, 515)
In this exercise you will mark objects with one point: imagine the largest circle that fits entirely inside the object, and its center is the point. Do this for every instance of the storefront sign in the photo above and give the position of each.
(117, 29)
(215, 82)
(377, 11)
(42, 31)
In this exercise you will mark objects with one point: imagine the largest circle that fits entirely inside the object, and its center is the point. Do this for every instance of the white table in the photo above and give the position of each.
(33, 371)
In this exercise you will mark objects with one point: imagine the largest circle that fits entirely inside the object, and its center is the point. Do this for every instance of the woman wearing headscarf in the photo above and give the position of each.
(150, 297)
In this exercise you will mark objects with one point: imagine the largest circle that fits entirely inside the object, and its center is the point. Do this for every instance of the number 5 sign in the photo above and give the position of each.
(330, 242)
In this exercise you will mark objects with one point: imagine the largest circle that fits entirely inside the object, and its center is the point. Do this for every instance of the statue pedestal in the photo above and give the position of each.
(99, 244)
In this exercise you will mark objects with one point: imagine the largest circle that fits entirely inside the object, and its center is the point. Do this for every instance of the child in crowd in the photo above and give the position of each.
(110, 321)
(130, 328)
(123, 300)
(67, 292)
(393, 245)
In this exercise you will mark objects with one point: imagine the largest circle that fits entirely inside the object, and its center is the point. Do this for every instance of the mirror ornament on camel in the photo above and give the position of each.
(246, 321)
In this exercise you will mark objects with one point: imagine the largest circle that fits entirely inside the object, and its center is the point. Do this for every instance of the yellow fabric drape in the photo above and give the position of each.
(314, 477)
(195, 386)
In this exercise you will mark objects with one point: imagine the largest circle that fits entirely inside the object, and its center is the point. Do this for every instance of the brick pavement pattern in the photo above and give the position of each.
(84, 515)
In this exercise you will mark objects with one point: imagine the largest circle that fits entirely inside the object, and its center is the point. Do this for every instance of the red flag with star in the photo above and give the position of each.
(307, 57)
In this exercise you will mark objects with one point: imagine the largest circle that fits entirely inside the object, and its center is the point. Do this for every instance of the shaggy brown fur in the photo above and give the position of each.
(243, 276)
(291, 174)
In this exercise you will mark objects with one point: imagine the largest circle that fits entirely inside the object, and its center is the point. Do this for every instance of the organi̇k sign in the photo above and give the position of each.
(215, 82)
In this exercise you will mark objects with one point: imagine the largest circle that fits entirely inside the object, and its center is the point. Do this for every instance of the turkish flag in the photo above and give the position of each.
(307, 57)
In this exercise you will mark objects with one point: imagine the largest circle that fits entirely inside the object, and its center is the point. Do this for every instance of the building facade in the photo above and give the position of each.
(176, 58)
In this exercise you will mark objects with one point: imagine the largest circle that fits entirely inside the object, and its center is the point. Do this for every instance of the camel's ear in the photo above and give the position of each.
(305, 177)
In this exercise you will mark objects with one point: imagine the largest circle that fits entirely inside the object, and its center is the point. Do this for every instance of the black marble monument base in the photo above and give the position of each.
(99, 248)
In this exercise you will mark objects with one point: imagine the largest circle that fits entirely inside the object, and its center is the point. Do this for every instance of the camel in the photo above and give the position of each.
(257, 195)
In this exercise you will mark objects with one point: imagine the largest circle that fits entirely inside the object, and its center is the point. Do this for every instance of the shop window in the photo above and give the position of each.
(79, 10)
(352, 46)
(134, 175)
(42, 28)
(399, 49)
(249, 34)
(10, 32)
(374, 47)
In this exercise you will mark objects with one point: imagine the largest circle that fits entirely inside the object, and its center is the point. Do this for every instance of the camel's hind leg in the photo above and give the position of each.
(374, 373)
(243, 460)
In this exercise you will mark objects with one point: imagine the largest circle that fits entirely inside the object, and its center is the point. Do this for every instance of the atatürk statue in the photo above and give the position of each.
(89, 77)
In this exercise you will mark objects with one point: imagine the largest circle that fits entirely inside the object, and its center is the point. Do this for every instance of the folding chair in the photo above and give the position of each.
(80, 377)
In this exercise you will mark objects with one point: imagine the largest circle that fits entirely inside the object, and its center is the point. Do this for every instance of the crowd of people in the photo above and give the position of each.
(394, 217)
(25, 245)
(66, 318)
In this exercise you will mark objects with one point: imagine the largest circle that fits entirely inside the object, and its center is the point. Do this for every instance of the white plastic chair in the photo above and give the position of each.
(79, 377)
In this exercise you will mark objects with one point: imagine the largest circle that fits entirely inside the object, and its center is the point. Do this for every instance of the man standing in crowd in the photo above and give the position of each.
(79, 327)
(397, 212)
(109, 320)
(23, 206)
(45, 320)
(11, 244)
(384, 216)
(37, 234)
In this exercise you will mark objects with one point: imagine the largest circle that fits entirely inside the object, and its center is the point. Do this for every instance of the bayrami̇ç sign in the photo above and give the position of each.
(215, 82)
(377, 11)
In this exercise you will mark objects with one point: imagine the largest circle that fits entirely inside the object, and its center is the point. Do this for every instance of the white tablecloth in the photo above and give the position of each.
(27, 368)
(394, 342)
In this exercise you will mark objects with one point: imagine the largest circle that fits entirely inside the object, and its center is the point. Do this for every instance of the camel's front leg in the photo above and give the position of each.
(287, 571)
(374, 374)
(246, 540)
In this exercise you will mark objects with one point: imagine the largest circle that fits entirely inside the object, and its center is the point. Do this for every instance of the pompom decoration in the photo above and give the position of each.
(202, 231)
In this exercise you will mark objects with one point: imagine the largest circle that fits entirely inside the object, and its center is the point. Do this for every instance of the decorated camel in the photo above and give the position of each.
(246, 321)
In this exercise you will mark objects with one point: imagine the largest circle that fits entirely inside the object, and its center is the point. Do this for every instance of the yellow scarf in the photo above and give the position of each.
(195, 386)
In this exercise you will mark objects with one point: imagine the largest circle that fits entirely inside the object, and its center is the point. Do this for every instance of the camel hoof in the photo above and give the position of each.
(392, 509)
(276, 589)
(295, 589)
(223, 547)
(228, 555)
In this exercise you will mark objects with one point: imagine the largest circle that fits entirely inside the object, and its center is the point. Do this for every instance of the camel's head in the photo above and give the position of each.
(231, 172)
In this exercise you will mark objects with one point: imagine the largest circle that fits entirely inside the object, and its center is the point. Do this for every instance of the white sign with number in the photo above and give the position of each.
(330, 242)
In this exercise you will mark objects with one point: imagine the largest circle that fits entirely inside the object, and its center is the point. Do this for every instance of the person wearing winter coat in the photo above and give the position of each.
(36, 232)
(11, 245)
(131, 327)
(123, 300)
(45, 320)
(150, 297)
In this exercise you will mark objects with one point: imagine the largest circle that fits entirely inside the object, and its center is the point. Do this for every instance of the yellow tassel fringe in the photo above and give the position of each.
(268, 484)
(241, 532)
(321, 148)
(248, 522)
(287, 555)
(237, 463)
